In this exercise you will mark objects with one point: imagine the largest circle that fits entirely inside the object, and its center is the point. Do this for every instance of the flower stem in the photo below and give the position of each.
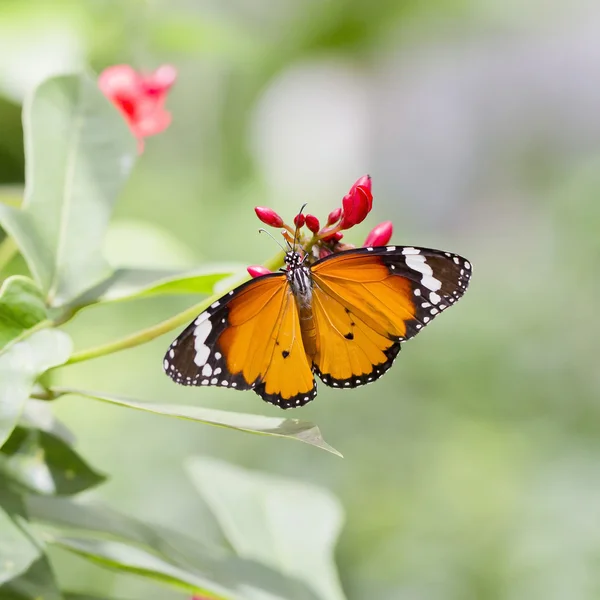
(147, 335)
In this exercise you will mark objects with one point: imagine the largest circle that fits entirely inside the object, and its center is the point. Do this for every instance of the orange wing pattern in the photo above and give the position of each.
(367, 301)
(249, 339)
(356, 307)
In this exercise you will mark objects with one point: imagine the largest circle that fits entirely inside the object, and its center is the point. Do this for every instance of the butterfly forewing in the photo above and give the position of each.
(388, 294)
(248, 339)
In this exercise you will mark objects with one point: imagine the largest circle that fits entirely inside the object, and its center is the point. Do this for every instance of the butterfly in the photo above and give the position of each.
(342, 318)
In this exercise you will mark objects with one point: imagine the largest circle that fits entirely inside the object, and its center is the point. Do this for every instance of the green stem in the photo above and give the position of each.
(147, 335)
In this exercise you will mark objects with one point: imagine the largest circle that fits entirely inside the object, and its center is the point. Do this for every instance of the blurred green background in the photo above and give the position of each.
(472, 470)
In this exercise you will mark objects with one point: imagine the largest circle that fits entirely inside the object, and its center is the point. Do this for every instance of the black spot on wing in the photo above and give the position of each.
(293, 402)
(363, 378)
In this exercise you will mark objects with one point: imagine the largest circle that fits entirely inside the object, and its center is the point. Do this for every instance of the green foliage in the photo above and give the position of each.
(291, 527)
(21, 307)
(45, 464)
(79, 154)
(20, 366)
(295, 429)
(17, 548)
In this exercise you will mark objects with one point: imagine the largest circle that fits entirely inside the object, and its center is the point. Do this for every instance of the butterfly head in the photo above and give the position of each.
(293, 260)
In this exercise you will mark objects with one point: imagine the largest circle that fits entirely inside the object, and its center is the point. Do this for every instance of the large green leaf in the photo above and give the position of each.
(294, 429)
(18, 550)
(130, 284)
(45, 464)
(20, 365)
(36, 583)
(130, 559)
(290, 526)
(244, 579)
(79, 152)
(21, 307)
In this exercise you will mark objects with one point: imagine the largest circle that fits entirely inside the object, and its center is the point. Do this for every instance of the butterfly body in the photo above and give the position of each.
(342, 318)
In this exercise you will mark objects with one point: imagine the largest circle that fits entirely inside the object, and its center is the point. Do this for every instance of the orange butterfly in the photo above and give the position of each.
(342, 317)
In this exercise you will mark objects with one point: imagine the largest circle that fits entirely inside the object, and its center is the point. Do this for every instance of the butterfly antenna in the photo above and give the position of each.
(261, 230)
(297, 227)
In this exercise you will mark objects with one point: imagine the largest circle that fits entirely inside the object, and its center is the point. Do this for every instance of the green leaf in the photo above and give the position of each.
(76, 596)
(11, 195)
(37, 414)
(18, 550)
(130, 559)
(36, 583)
(130, 284)
(21, 307)
(293, 429)
(79, 153)
(290, 526)
(45, 464)
(20, 365)
(244, 579)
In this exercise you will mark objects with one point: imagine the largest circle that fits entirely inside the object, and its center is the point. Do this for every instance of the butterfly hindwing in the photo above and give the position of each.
(368, 300)
(235, 343)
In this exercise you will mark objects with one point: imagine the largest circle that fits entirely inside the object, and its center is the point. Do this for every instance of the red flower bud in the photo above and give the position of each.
(313, 223)
(299, 221)
(380, 235)
(323, 252)
(258, 271)
(268, 216)
(334, 237)
(334, 216)
(357, 203)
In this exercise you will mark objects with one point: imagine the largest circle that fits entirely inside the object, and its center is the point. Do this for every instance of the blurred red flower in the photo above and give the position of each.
(140, 97)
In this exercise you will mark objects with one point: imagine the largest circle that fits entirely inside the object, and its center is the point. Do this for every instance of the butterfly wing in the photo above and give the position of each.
(248, 339)
(366, 301)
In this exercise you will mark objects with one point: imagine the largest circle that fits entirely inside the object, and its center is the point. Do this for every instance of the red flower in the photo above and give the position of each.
(357, 203)
(380, 235)
(258, 271)
(268, 216)
(139, 97)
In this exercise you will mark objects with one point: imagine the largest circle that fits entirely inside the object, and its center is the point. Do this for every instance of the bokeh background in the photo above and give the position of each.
(472, 470)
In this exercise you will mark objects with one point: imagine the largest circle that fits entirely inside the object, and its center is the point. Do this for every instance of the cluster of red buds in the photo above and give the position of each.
(140, 97)
(325, 240)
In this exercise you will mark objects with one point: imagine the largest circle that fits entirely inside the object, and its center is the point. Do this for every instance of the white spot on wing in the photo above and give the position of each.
(410, 250)
(207, 370)
(434, 298)
(201, 332)
(418, 263)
